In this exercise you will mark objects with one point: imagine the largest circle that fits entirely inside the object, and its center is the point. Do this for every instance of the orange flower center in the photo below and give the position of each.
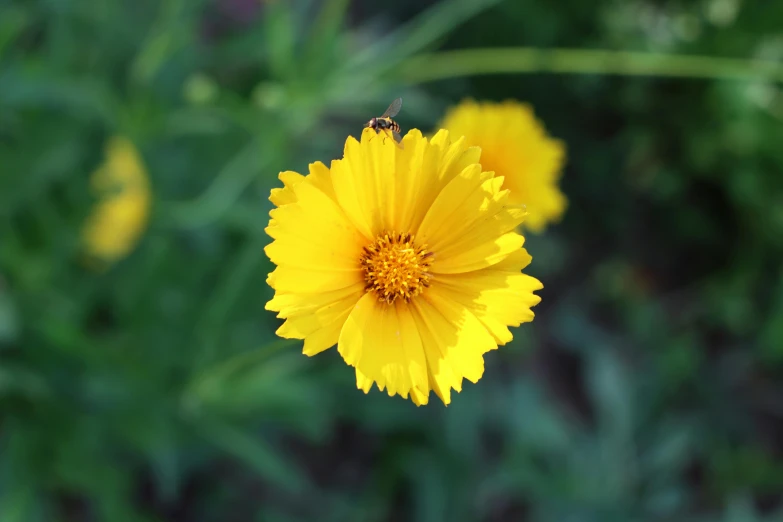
(394, 267)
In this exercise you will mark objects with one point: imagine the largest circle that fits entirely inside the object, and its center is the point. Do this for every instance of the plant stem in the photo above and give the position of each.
(472, 62)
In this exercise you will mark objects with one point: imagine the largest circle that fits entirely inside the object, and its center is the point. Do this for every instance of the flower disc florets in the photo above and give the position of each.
(394, 267)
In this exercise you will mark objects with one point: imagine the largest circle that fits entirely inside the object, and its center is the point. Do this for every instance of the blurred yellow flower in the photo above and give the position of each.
(515, 145)
(121, 213)
(406, 258)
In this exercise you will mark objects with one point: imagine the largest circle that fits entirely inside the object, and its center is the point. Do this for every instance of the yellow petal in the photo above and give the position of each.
(296, 251)
(446, 160)
(327, 335)
(454, 342)
(379, 171)
(411, 186)
(352, 182)
(381, 341)
(482, 255)
(498, 299)
(316, 248)
(470, 209)
(382, 187)
(457, 156)
(317, 318)
(446, 211)
(321, 178)
(285, 195)
(473, 231)
(309, 280)
(418, 397)
(298, 303)
(513, 263)
(301, 326)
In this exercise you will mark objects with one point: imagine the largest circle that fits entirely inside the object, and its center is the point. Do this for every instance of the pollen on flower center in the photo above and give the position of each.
(394, 267)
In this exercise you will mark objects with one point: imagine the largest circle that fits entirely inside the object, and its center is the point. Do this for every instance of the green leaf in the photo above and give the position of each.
(15, 380)
(433, 24)
(256, 452)
(12, 22)
(44, 89)
(280, 29)
(9, 319)
(254, 384)
(169, 35)
(227, 186)
(18, 504)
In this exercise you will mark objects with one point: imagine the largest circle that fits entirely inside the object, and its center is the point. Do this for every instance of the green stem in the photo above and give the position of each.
(472, 62)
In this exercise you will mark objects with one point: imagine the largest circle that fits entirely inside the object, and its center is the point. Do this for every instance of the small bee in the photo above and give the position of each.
(385, 122)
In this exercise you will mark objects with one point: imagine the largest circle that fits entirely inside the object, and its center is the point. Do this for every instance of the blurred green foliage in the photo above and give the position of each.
(648, 388)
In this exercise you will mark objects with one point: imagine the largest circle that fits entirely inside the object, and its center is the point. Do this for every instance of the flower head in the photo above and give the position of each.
(515, 145)
(121, 213)
(406, 258)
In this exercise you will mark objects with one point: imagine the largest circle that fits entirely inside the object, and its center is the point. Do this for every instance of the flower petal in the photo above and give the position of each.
(381, 341)
(283, 196)
(470, 209)
(454, 342)
(315, 247)
(498, 299)
(320, 327)
(361, 181)
(429, 173)
(478, 256)
(297, 303)
(448, 209)
(327, 335)
(321, 178)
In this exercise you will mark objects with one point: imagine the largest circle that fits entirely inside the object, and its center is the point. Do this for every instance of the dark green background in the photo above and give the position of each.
(648, 387)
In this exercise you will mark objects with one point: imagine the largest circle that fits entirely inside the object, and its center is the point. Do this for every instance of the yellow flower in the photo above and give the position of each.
(121, 213)
(515, 145)
(406, 258)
